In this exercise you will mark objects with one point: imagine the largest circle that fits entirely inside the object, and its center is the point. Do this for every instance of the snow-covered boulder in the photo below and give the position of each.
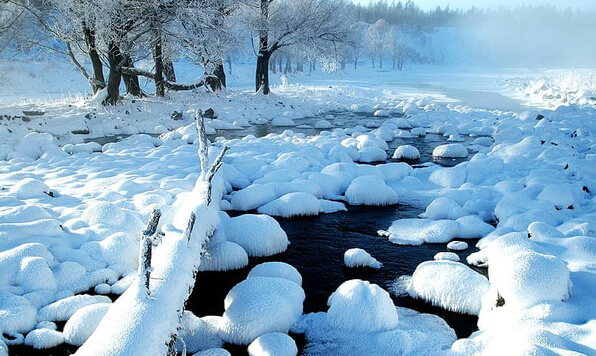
(259, 235)
(357, 257)
(361, 306)
(223, 256)
(323, 125)
(44, 338)
(457, 245)
(446, 256)
(527, 278)
(31, 188)
(278, 270)
(452, 177)
(406, 152)
(282, 121)
(273, 344)
(252, 197)
(292, 204)
(370, 190)
(451, 150)
(199, 333)
(84, 322)
(418, 231)
(444, 208)
(450, 285)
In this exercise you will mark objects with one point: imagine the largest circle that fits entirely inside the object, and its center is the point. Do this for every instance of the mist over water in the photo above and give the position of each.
(540, 37)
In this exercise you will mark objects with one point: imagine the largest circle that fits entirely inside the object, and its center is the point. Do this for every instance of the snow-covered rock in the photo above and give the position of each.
(406, 152)
(292, 204)
(278, 270)
(223, 256)
(83, 322)
(273, 344)
(370, 190)
(357, 257)
(259, 235)
(451, 150)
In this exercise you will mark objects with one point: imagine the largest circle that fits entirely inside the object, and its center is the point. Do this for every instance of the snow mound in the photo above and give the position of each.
(82, 323)
(199, 333)
(395, 170)
(259, 235)
(252, 197)
(17, 314)
(406, 152)
(372, 154)
(323, 125)
(357, 257)
(223, 256)
(540, 230)
(104, 213)
(260, 305)
(450, 285)
(451, 150)
(457, 245)
(292, 204)
(444, 208)
(44, 338)
(273, 344)
(361, 306)
(31, 188)
(418, 231)
(282, 122)
(213, 352)
(370, 190)
(452, 177)
(63, 309)
(558, 195)
(527, 278)
(446, 256)
(276, 269)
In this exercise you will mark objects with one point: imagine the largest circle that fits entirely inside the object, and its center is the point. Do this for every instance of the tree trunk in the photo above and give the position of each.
(229, 60)
(372, 59)
(114, 59)
(220, 73)
(272, 66)
(300, 65)
(288, 68)
(381, 59)
(280, 60)
(158, 59)
(262, 73)
(99, 81)
(343, 63)
(168, 70)
(131, 82)
(355, 63)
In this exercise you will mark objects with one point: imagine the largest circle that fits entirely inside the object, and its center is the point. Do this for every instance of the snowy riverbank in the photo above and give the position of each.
(71, 212)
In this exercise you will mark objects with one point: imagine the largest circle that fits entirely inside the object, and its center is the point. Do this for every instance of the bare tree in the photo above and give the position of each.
(376, 39)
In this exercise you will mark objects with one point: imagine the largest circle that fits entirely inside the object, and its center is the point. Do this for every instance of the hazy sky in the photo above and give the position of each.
(466, 4)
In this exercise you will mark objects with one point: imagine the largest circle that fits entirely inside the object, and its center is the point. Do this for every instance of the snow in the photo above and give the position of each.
(259, 235)
(252, 197)
(446, 256)
(451, 150)
(457, 245)
(223, 256)
(358, 305)
(44, 338)
(450, 285)
(83, 322)
(370, 190)
(357, 257)
(444, 208)
(273, 344)
(260, 305)
(278, 270)
(419, 231)
(406, 152)
(199, 333)
(292, 204)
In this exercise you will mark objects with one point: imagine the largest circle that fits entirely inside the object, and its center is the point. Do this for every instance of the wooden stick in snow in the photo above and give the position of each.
(146, 249)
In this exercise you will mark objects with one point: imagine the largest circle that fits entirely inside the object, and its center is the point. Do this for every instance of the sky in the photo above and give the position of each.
(466, 4)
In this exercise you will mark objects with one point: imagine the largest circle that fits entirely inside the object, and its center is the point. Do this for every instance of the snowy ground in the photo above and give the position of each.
(71, 212)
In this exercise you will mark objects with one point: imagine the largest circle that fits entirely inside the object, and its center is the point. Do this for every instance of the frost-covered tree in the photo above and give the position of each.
(314, 28)
(398, 47)
(376, 39)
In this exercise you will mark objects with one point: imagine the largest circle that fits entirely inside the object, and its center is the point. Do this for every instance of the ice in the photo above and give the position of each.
(357, 257)
(273, 344)
(252, 197)
(452, 177)
(44, 338)
(259, 235)
(260, 305)
(450, 285)
(32, 188)
(457, 245)
(451, 150)
(419, 231)
(292, 204)
(370, 190)
(83, 322)
(446, 256)
(223, 256)
(276, 269)
(358, 305)
(527, 278)
(406, 152)
(444, 208)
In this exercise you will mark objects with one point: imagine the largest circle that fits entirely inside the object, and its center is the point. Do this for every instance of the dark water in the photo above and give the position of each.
(316, 250)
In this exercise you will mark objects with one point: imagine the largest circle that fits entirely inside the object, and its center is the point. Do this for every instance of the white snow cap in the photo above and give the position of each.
(444, 208)
(451, 150)
(84, 322)
(357, 257)
(223, 256)
(259, 235)
(276, 269)
(361, 306)
(406, 152)
(446, 256)
(527, 278)
(292, 204)
(44, 338)
(457, 245)
(273, 344)
(370, 190)
(450, 285)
